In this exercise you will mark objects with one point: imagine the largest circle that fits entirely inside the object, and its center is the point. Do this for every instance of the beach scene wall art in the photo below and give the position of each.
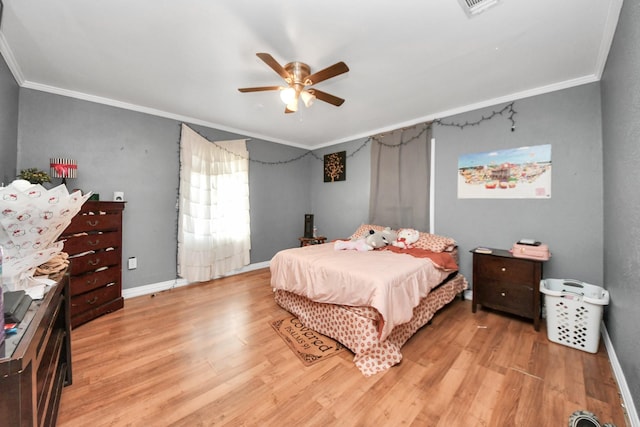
(515, 173)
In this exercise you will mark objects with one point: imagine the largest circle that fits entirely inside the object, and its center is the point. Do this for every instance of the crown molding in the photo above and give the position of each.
(7, 54)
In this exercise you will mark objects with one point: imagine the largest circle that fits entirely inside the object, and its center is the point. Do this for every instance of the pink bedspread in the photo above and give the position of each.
(392, 283)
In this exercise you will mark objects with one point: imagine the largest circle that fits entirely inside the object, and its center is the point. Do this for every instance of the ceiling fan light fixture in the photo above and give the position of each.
(293, 105)
(298, 76)
(287, 95)
(307, 98)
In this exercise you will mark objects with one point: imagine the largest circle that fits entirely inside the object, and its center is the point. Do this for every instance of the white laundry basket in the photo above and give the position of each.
(574, 312)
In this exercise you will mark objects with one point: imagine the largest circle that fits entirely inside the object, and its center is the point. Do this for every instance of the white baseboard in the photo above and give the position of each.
(153, 288)
(627, 398)
(170, 284)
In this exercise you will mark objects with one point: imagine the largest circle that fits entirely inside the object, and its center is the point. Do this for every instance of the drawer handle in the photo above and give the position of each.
(92, 300)
(93, 223)
(95, 243)
(92, 282)
(503, 294)
(94, 261)
(504, 268)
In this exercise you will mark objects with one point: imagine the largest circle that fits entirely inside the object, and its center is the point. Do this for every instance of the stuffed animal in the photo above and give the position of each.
(374, 240)
(406, 238)
(389, 236)
(357, 245)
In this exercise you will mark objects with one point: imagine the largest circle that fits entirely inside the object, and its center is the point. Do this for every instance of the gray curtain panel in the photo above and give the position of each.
(400, 163)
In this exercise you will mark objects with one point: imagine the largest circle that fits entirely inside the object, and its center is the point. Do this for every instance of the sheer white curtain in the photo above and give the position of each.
(213, 217)
(400, 178)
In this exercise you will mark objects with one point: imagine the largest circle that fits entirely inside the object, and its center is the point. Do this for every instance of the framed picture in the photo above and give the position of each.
(335, 166)
(516, 173)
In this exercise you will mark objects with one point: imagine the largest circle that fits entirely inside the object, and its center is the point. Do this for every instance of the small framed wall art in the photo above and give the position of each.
(335, 167)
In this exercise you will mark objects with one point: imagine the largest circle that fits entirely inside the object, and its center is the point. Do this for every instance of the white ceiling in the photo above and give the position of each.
(410, 61)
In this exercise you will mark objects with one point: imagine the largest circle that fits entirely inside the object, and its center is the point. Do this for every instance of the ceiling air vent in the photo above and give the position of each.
(474, 7)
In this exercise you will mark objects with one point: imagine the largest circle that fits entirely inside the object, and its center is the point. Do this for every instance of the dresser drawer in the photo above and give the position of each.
(91, 242)
(93, 261)
(504, 270)
(87, 223)
(95, 298)
(89, 281)
(108, 307)
(507, 297)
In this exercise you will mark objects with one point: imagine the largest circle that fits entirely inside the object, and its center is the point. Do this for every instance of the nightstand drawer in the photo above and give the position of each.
(515, 299)
(504, 270)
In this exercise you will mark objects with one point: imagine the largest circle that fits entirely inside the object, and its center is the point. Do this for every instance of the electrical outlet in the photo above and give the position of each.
(132, 263)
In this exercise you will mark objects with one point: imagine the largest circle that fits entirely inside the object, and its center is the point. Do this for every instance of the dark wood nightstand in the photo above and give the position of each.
(306, 241)
(506, 283)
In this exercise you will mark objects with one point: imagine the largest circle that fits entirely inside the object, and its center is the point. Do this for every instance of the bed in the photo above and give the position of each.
(372, 302)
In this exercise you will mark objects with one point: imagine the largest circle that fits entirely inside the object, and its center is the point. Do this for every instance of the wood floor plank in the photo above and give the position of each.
(486, 400)
(205, 355)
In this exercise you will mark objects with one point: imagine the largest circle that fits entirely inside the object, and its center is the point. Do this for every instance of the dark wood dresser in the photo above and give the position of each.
(506, 283)
(93, 241)
(36, 362)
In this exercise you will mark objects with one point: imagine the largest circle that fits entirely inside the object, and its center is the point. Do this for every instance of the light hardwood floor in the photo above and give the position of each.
(205, 355)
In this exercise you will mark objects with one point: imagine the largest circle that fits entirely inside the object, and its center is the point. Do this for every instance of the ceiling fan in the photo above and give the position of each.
(298, 77)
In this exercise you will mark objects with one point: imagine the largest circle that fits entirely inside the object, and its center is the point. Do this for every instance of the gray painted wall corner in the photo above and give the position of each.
(621, 136)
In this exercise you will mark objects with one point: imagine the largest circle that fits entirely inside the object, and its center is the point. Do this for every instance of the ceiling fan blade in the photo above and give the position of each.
(287, 111)
(327, 73)
(259, 89)
(326, 97)
(275, 66)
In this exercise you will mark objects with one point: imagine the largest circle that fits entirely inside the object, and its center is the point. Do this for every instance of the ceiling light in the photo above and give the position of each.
(293, 105)
(307, 98)
(287, 95)
(298, 76)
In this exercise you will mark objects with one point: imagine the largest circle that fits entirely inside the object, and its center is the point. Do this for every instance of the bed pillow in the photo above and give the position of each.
(363, 230)
(428, 241)
(435, 242)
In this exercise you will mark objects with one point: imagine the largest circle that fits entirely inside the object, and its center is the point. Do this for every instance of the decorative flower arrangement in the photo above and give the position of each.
(34, 176)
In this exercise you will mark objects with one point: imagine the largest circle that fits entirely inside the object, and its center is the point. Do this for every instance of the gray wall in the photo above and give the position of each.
(340, 207)
(9, 92)
(570, 222)
(122, 150)
(621, 139)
